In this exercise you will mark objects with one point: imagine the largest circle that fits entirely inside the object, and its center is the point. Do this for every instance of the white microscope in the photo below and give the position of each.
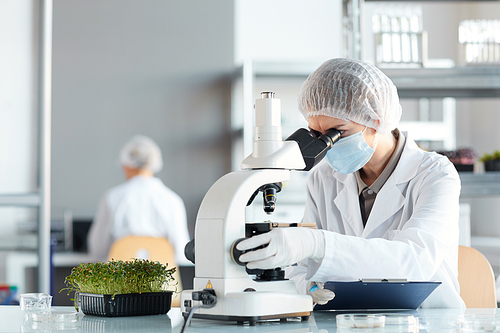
(223, 288)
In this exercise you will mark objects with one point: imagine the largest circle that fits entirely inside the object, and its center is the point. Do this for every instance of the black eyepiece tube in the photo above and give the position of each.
(314, 149)
(330, 137)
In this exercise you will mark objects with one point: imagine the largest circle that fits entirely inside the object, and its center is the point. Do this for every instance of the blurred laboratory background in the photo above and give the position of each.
(79, 78)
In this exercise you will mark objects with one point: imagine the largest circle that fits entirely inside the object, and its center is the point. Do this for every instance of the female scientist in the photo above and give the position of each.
(384, 208)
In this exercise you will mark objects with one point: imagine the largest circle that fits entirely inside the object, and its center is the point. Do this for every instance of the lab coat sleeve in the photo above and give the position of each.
(100, 239)
(298, 272)
(419, 245)
(177, 231)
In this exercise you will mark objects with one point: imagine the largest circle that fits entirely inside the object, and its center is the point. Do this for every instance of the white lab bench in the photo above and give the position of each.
(430, 320)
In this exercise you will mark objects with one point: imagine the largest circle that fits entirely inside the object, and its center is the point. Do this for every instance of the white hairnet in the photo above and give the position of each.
(351, 90)
(141, 152)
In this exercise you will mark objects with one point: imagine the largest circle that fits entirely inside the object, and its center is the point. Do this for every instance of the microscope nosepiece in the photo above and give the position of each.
(269, 192)
(269, 207)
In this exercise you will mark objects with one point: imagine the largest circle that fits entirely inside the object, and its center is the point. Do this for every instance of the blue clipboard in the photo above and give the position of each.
(380, 294)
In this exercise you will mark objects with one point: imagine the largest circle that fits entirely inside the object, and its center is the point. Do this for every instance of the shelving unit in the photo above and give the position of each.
(447, 84)
(22, 200)
(40, 199)
(480, 185)
(459, 82)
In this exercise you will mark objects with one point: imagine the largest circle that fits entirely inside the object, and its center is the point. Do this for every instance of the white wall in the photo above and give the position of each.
(287, 30)
(125, 67)
(18, 97)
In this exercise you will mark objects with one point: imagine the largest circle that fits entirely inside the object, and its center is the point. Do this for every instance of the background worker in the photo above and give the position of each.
(142, 206)
(384, 208)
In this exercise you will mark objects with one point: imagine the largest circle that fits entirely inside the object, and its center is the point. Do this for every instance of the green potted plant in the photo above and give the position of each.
(491, 161)
(121, 288)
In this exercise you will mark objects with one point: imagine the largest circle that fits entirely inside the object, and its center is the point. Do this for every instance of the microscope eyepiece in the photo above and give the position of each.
(330, 137)
(314, 145)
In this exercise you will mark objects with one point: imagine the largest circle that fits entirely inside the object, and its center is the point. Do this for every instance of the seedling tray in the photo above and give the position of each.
(122, 305)
(492, 165)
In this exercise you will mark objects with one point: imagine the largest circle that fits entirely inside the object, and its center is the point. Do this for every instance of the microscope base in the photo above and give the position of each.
(252, 320)
(251, 306)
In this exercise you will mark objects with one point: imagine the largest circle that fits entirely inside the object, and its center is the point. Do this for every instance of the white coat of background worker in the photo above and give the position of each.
(384, 208)
(142, 206)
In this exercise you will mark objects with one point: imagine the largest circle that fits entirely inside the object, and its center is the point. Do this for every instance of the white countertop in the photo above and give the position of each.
(442, 320)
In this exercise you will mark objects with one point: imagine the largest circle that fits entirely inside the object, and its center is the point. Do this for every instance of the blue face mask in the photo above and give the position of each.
(349, 154)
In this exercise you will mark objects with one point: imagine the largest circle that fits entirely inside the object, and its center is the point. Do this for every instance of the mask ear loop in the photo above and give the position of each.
(375, 142)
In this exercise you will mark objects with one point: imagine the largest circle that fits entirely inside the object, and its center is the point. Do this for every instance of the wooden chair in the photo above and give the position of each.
(476, 279)
(144, 247)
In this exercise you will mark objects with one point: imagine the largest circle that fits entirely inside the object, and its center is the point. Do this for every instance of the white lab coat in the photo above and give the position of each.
(142, 206)
(412, 231)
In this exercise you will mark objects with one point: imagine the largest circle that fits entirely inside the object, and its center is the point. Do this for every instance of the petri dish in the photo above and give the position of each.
(360, 321)
(481, 323)
(52, 320)
(51, 327)
(55, 316)
(440, 322)
(401, 323)
(35, 302)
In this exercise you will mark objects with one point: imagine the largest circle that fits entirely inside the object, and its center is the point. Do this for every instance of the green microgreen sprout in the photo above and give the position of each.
(491, 157)
(119, 277)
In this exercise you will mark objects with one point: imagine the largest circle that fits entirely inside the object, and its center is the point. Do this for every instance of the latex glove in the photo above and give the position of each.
(320, 295)
(285, 246)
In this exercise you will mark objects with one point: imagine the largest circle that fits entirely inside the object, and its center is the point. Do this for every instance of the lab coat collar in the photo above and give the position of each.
(409, 162)
(345, 200)
(344, 178)
(390, 198)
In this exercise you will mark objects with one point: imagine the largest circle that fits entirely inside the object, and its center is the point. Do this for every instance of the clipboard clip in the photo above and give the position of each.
(383, 280)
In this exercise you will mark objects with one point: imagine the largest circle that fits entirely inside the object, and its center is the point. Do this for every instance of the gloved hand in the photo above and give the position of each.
(286, 246)
(320, 295)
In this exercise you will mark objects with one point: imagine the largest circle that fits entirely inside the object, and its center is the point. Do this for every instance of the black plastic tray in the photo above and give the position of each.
(464, 167)
(125, 304)
(492, 165)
